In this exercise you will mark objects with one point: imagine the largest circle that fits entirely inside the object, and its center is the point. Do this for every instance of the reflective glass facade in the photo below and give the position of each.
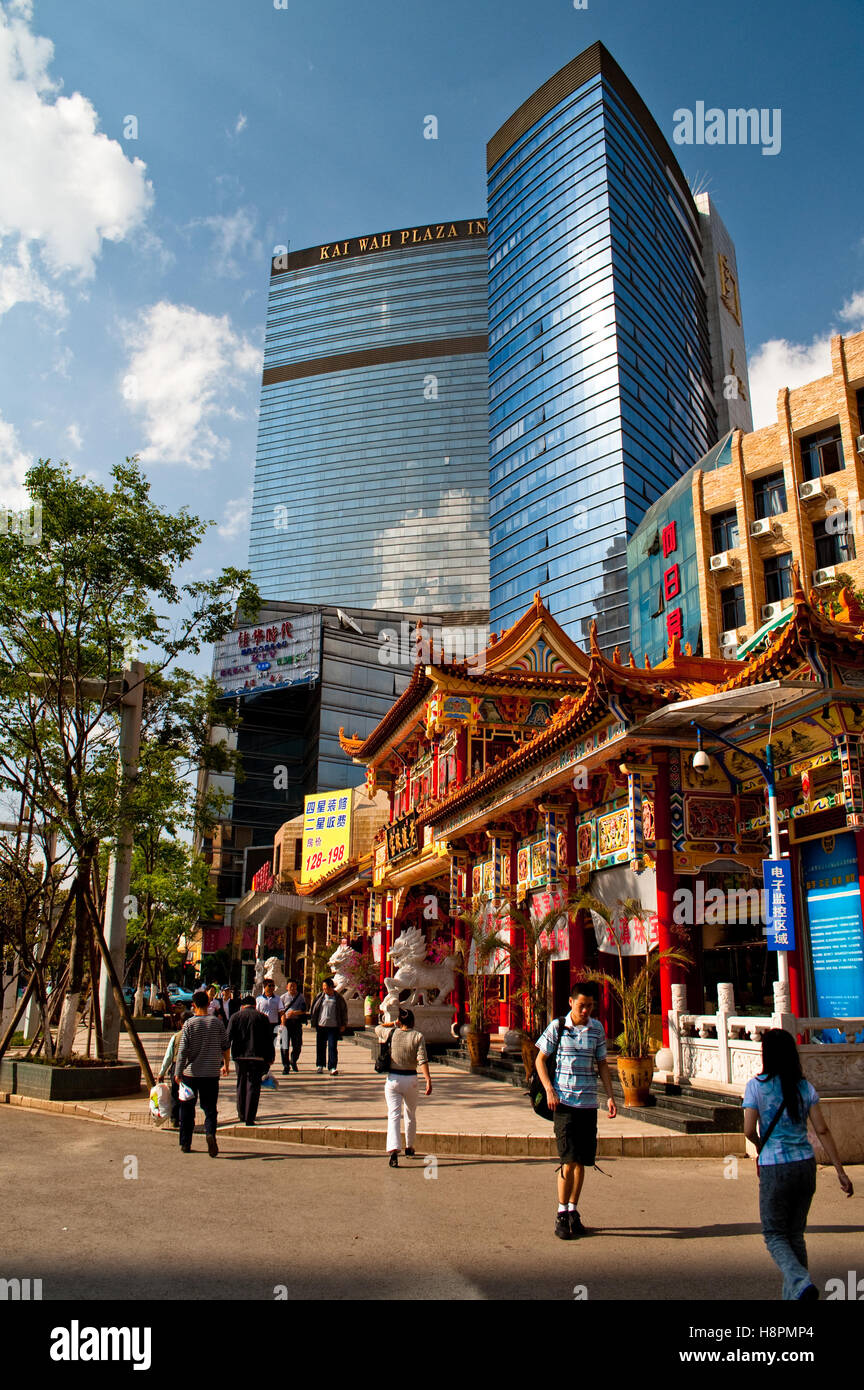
(371, 478)
(601, 393)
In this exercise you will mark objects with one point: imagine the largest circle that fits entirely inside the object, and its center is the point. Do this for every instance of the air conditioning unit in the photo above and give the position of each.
(826, 576)
(859, 444)
(764, 527)
(814, 488)
(722, 561)
(771, 610)
(729, 639)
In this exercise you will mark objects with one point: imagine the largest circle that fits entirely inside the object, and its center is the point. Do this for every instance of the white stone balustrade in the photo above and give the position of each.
(723, 1051)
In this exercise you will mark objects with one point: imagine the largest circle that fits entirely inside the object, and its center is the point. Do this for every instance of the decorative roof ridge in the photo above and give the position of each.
(503, 645)
(416, 690)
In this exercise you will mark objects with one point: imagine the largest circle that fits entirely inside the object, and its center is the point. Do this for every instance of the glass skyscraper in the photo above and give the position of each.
(600, 357)
(371, 476)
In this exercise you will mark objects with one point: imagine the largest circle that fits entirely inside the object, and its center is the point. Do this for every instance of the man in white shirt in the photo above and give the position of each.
(268, 1005)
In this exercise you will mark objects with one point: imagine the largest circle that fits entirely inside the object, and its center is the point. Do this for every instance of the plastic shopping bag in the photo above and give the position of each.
(160, 1101)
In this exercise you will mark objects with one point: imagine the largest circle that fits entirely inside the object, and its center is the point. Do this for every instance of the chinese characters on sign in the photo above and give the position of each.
(777, 877)
(326, 833)
(272, 654)
(402, 836)
(672, 581)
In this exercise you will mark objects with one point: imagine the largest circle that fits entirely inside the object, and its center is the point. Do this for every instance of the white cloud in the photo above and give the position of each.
(182, 368)
(13, 465)
(241, 125)
(779, 363)
(73, 434)
(235, 518)
(66, 187)
(233, 237)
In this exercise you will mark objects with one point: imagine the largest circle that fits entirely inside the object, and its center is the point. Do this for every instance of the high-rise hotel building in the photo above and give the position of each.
(616, 353)
(371, 476)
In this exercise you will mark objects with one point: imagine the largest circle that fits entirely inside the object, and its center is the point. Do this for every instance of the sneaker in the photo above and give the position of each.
(319, 1070)
(409, 1153)
(576, 1227)
(212, 1146)
(333, 1071)
(185, 1148)
(394, 1160)
(294, 1066)
(562, 1225)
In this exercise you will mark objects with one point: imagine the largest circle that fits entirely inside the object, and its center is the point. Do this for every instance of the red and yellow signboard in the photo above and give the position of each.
(326, 833)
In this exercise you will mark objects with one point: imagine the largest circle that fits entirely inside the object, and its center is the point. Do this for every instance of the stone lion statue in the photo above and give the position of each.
(415, 973)
(343, 963)
(269, 969)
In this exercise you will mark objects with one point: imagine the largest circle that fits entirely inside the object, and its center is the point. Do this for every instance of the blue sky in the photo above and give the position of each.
(134, 271)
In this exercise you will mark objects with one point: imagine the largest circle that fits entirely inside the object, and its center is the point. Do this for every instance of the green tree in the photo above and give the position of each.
(100, 582)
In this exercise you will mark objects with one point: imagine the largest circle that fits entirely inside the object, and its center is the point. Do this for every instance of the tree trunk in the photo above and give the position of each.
(78, 953)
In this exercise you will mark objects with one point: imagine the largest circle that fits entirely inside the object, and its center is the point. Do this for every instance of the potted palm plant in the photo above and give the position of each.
(635, 1042)
(477, 964)
(529, 973)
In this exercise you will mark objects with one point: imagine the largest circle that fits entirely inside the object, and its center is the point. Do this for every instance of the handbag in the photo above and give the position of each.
(536, 1089)
(762, 1139)
(384, 1060)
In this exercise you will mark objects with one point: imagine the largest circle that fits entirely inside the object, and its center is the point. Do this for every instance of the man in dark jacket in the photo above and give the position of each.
(329, 1016)
(250, 1037)
(200, 1060)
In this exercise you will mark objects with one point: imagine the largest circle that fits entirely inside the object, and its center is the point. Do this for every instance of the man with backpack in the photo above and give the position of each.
(576, 1048)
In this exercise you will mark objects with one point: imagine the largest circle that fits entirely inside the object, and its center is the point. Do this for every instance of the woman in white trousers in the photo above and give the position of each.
(402, 1088)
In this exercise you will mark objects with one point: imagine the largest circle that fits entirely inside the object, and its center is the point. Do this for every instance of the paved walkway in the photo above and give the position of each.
(465, 1114)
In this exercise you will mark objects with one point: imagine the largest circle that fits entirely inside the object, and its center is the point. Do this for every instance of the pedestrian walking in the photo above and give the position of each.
(781, 1101)
(401, 1088)
(268, 1005)
(293, 1010)
(167, 1069)
(580, 1055)
(329, 1016)
(250, 1038)
(201, 1058)
(230, 1005)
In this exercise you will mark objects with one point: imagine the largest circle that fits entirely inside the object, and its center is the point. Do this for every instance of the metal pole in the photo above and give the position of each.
(120, 867)
(774, 829)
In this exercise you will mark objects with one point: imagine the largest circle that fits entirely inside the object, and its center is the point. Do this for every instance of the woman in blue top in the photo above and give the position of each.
(786, 1163)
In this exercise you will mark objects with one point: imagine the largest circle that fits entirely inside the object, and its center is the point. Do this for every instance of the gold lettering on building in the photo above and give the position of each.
(729, 289)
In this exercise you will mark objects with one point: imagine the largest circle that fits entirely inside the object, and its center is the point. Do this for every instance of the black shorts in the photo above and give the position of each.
(576, 1134)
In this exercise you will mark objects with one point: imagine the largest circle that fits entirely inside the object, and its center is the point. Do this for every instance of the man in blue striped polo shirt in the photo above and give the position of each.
(572, 1096)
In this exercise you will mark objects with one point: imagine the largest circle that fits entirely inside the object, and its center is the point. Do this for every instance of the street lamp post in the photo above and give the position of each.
(766, 771)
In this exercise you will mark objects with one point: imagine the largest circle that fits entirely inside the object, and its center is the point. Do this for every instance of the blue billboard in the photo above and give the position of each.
(833, 896)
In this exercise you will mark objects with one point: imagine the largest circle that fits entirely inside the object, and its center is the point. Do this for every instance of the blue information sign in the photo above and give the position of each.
(777, 877)
(834, 911)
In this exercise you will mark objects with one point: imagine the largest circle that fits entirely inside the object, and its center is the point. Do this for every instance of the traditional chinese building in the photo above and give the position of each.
(539, 770)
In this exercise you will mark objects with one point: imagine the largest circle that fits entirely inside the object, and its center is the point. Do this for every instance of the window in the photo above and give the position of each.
(833, 545)
(732, 607)
(769, 496)
(298, 855)
(822, 454)
(724, 531)
(778, 577)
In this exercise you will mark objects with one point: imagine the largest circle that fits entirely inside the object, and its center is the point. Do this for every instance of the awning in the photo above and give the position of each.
(726, 708)
(779, 620)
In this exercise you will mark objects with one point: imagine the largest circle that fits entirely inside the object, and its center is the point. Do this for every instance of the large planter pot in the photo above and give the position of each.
(635, 1074)
(76, 1083)
(478, 1049)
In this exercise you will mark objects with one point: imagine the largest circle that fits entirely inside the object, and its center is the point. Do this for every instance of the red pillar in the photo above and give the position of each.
(665, 873)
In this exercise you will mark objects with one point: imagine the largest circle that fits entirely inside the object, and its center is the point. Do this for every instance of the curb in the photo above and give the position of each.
(469, 1145)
